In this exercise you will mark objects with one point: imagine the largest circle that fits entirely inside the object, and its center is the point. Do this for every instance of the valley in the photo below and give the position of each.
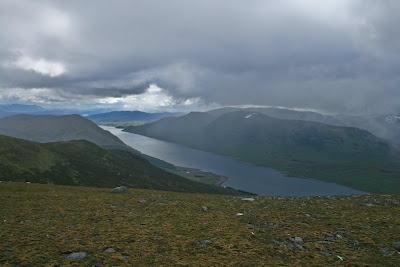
(342, 155)
(242, 175)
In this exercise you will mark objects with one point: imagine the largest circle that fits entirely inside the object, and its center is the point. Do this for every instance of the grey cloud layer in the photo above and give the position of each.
(332, 55)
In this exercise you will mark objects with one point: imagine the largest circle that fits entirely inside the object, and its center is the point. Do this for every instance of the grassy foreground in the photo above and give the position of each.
(41, 223)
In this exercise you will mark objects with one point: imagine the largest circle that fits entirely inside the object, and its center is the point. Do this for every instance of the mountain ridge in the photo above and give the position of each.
(345, 155)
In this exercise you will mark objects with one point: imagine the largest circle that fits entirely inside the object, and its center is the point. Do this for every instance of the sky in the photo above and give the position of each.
(333, 56)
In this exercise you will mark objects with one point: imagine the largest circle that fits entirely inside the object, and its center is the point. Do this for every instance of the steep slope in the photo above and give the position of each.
(343, 155)
(86, 164)
(120, 116)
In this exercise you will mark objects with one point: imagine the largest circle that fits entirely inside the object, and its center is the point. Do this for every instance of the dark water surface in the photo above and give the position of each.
(244, 176)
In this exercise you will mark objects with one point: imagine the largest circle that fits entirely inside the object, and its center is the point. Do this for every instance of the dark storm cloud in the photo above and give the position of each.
(334, 55)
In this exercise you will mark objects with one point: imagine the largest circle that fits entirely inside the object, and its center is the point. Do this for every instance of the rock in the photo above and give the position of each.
(308, 215)
(299, 246)
(325, 242)
(239, 214)
(205, 208)
(109, 250)
(249, 225)
(396, 244)
(329, 235)
(386, 251)
(296, 239)
(306, 224)
(75, 255)
(142, 200)
(125, 257)
(328, 252)
(248, 199)
(369, 205)
(288, 245)
(203, 243)
(120, 189)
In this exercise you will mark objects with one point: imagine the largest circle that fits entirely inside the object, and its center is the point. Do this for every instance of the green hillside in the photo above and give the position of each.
(86, 164)
(50, 128)
(343, 155)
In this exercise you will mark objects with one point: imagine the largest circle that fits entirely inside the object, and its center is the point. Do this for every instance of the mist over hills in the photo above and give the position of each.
(14, 109)
(384, 126)
(123, 116)
(344, 155)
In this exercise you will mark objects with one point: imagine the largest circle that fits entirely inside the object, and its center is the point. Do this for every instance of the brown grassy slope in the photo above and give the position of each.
(40, 223)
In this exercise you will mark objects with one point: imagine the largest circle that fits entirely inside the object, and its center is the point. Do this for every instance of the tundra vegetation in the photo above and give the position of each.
(53, 225)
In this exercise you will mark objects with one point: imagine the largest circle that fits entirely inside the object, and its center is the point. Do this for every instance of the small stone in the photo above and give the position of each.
(325, 242)
(109, 250)
(299, 246)
(288, 245)
(296, 239)
(306, 224)
(275, 241)
(75, 255)
(308, 215)
(120, 190)
(396, 244)
(239, 214)
(248, 199)
(203, 243)
(125, 257)
(249, 225)
(205, 208)
(369, 205)
(386, 251)
(142, 200)
(113, 206)
(329, 235)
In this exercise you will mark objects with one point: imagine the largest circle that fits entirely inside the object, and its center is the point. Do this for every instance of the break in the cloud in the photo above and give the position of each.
(41, 66)
(333, 55)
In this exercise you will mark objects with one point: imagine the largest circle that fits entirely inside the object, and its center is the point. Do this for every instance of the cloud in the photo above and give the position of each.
(333, 55)
(42, 66)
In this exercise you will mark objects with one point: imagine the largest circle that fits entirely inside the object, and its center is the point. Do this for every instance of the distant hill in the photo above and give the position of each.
(281, 113)
(383, 126)
(14, 109)
(21, 108)
(344, 155)
(120, 116)
(84, 163)
(49, 128)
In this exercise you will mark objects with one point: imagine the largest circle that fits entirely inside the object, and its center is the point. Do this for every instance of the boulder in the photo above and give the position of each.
(75, 255)
(120, 189)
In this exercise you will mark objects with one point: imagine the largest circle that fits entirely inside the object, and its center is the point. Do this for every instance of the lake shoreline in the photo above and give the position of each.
(243, 175)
